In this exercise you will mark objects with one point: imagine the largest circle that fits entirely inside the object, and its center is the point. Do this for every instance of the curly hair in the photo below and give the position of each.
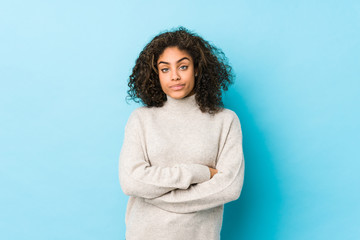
(214, 74)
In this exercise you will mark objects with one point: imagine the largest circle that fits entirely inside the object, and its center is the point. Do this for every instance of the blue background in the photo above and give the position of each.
(64, 67)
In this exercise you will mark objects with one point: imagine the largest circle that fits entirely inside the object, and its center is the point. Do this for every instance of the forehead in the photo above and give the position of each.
(172, 54)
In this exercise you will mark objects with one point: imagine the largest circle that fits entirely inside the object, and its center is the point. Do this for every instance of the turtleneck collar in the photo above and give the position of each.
(181, 105)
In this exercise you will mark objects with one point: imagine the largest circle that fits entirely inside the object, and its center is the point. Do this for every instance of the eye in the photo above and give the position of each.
(165, 70)
(184, 67)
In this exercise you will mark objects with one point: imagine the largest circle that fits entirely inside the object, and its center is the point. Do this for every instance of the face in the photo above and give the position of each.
(176, 73)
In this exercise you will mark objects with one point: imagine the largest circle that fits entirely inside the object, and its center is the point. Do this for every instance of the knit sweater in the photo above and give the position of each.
(164, 168)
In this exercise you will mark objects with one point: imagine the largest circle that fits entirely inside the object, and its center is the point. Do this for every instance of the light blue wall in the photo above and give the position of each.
(63, 71)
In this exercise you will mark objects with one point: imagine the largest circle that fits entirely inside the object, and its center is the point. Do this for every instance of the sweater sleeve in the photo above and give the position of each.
(140, 179)
(223, 187)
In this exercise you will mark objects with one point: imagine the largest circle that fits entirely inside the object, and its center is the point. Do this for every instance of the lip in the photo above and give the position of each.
(177, 86)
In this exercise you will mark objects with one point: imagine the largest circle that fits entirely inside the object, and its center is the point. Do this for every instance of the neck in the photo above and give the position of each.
(181, 105)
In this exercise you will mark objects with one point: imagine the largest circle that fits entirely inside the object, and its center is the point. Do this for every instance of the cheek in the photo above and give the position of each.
(163, 81)
(191, 79)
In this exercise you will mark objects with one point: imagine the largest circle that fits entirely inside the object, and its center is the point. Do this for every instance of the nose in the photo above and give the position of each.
(175, 75)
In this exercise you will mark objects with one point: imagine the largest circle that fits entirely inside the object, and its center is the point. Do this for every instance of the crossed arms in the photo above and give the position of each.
(183, 188)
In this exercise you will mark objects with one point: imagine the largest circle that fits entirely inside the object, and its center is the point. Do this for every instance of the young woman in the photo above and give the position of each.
(182, 157)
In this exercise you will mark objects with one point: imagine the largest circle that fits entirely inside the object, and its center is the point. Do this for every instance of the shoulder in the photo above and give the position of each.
(140, 115)
(143, 112)
(136, 114)
(229, 120)
(228, 115)
(231, 124)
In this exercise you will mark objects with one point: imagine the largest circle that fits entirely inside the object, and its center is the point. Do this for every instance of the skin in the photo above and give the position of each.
(176, 67)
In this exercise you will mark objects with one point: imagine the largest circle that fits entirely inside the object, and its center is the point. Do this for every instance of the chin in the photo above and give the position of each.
(178, 95)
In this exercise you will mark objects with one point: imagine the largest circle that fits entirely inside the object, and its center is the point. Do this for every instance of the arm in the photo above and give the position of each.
(224, 187)
(137, 176)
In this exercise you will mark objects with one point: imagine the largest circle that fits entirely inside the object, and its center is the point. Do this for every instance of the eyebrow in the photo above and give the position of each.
(176, 62)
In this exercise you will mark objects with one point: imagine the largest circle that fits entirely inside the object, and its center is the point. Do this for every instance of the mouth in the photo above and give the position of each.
(177, 87)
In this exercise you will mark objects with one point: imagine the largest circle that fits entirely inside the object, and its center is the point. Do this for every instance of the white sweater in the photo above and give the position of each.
(163, 167)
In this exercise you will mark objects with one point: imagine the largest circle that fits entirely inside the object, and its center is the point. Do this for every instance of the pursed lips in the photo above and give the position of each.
(177, 87)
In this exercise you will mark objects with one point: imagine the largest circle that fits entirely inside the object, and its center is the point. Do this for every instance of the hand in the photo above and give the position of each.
(213, 171)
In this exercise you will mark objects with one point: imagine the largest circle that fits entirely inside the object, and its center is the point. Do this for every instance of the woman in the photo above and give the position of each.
(182, 156)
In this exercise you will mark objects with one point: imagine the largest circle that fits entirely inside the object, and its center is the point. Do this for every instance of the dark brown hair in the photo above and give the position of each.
(213, 71)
